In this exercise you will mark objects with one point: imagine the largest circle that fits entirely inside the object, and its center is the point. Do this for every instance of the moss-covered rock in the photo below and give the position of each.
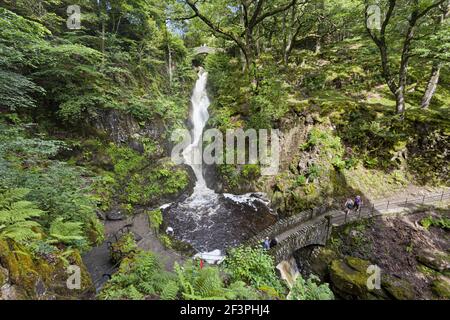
(441, 287)
(398, 289)
(278, 201)
(349, 279)
(4, 276)
(31, 277)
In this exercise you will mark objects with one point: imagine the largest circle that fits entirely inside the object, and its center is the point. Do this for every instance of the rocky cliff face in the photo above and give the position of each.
(123, 128)
(413, 261)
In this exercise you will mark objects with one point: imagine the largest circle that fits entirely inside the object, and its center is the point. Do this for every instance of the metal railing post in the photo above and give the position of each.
(387, 207)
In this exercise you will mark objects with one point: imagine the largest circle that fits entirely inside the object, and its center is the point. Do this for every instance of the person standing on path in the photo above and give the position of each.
(348, 206)
(358, 204)
(266, 243)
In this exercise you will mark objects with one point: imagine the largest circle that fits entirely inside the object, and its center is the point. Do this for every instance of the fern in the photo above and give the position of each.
(170, 291)
(310, 289)
(15, 215)
(65, 232)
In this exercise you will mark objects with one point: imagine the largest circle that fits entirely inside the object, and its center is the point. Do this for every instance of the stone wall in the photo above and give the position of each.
(316, 233)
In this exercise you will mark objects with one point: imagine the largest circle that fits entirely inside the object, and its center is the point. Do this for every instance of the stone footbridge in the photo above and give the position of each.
(313, 227)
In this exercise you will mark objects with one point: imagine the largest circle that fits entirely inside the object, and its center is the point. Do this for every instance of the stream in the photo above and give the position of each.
(207, 220)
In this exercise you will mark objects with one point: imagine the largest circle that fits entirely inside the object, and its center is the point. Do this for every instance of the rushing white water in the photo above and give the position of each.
(193, 153)
(208, 220)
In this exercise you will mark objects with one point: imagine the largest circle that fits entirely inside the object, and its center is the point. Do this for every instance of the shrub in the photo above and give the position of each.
(310, 290)
(442, 222)
(16, 215)
(138, 277)
(155, 218)
(300, 181)
(313, 172)
(253, 266)
(207, 283)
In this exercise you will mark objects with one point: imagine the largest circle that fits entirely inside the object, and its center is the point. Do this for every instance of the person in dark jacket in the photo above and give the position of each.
(274, 242)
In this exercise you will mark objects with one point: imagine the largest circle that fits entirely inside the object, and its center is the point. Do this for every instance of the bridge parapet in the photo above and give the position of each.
(204, 50)
(285, 224)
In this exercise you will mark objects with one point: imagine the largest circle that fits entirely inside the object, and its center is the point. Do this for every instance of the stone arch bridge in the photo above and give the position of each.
(311, 227)
(204, 49)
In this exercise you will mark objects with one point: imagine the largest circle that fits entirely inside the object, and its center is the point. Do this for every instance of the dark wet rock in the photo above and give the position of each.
(309, 119)
(136, 146)
(121, 127)
(40, 288)
(101, 215)
(115, 215)
(318, 262)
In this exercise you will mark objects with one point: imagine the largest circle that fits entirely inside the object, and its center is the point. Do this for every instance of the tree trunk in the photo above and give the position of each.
(432, 85)
(169, 67)
(400, 100)
(103, 43)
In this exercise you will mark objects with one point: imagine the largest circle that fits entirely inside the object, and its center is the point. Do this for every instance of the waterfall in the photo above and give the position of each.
(209, 221)
(199, 117)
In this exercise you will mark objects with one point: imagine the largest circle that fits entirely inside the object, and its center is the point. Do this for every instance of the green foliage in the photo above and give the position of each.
(160, 181)
(155, 218)
(313, 172)
(310, 289)
(300, 181)
(57, 190)
(55, 187)
(16, 91)
(143, 275)
(140, 184)
(251, 171)
(66, 232)
(124, 247)
(207, 284)
(442, 222)
(339, 164)
(322, 139)
(140, 276)
(166, 241)
(16, 216)
(254, 267)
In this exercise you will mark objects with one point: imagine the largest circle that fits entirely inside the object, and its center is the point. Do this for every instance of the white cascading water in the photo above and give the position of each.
(199, 117)
(207, 220)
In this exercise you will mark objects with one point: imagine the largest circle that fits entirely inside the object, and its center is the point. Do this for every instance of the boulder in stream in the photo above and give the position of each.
(115, 215)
